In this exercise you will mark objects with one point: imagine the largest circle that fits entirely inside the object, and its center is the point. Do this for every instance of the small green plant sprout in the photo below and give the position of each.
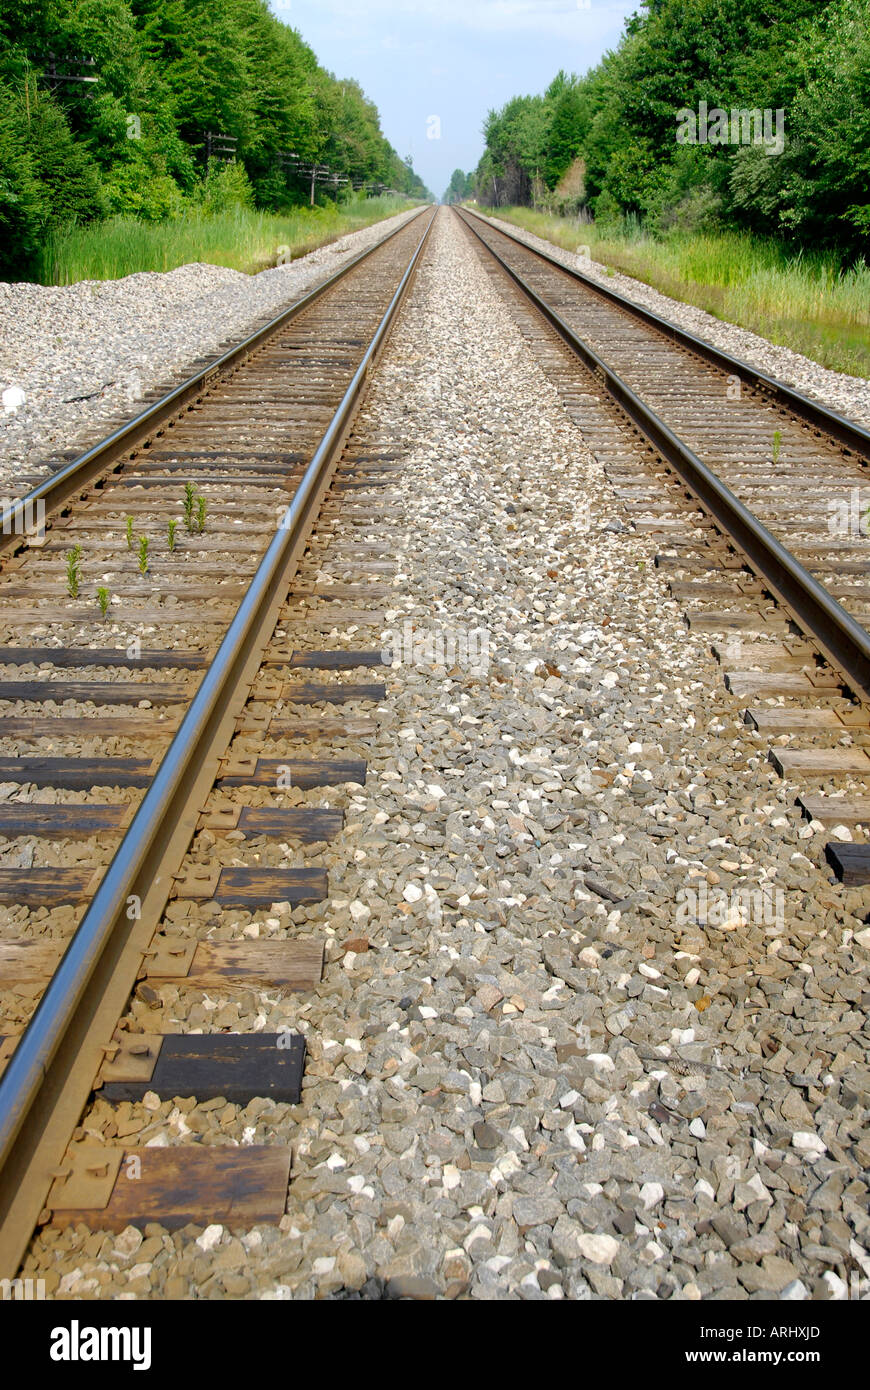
(777, 445)
(200, 515)
(73, 571)
(103, 601)
(189, 504)
(143, 554)
(171, 530)
(129, 533)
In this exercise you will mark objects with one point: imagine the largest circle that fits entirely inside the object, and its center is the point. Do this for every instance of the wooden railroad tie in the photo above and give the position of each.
(145, 724)
(334, 617)
(78, 774)
(762, 683)
(820, 762)
(273, 727)
(309, 825)
(252, 887)
(710, 620)
(154, 587)
(315, 693)
(96, 692)
(330, 661)
(836, 810)
(290, 965)
(168, 615)
(102, 656)
(48, 887)
(813, 721)
(239, 1067)
(235, 771)
(851, 863)
(252, 771)
(110, 1188)
(60, 822)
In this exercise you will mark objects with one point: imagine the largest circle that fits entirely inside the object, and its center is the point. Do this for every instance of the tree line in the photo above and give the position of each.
(677, 127)
(113, 106)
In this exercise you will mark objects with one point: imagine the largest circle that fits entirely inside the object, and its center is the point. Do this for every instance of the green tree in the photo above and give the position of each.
(458, 188)
(46, 178)
(809, 59)
(167, 72)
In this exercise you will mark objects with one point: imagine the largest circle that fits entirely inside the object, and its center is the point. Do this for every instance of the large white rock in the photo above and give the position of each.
(806, 1142)
(210, 1237)
(651, 1194)
(598, 1249)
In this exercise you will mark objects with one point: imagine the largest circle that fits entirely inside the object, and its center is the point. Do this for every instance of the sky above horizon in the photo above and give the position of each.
(453, 60)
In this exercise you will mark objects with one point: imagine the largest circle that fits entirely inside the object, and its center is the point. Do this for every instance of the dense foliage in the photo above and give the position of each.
(168, 72)
(460, 186)
(608, 140)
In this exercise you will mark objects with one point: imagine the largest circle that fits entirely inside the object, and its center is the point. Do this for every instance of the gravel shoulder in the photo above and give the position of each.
(850, 395)
(539, 1067)
(84, 354)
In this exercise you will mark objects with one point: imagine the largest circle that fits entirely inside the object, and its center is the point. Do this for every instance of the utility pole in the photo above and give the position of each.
(54, 79)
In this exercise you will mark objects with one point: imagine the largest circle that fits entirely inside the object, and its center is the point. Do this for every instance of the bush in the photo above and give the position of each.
(225, 186)
(133, 189)
(608, 212)
(697, 211)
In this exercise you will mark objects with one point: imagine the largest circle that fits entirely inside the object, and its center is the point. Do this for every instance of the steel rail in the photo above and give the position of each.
(69, 480)
(847, 432)
(842, 639)
(44, 1060)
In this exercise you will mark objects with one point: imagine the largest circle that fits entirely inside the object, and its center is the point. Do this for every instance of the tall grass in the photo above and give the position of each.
(240, 239)
(802, 301)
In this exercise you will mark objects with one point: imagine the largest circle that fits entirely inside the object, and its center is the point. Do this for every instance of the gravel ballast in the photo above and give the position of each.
(86, 353)
(533, 1072)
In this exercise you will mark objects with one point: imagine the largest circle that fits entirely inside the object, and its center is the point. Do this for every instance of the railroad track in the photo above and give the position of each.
(153, 742)
(179, 831)
(756, 493)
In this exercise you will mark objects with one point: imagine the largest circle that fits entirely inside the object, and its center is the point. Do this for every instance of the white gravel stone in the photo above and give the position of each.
(808, 1143)
(210, 1237)
(599, 1249)
(795, 1292)
(651, 1194)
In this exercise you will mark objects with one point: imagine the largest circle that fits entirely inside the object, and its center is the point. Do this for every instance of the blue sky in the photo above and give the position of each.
(454, 59)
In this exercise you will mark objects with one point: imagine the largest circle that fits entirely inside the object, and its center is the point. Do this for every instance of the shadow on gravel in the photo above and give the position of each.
(390, 1290)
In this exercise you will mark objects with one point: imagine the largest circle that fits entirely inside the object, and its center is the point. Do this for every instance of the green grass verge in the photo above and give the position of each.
(239, 238)
(805, 302)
